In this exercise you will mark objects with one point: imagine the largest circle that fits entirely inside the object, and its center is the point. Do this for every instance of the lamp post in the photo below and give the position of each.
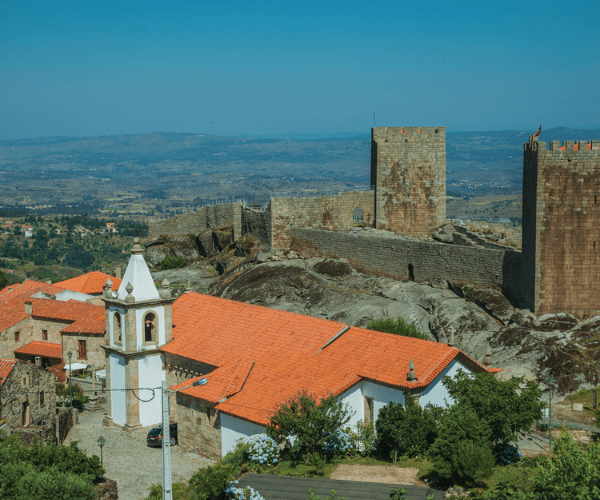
(101, 442)
(1, 379)
(70, 354)
(166, 435)
(550, 381)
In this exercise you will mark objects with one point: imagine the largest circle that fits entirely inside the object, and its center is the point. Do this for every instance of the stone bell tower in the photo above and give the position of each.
(138, 324)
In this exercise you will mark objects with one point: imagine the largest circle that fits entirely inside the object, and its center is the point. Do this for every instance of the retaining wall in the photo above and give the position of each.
(207, 217)
(258, 224)
(392, 256)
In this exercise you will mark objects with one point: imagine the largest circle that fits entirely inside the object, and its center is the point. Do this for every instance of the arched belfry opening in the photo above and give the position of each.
(358, 217)
(411, 272)
(117, 328)
(150, 328)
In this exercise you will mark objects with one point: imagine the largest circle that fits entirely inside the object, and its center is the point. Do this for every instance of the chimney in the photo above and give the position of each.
(38, 360)
(118, 272)
(28, 307)
(49, 281)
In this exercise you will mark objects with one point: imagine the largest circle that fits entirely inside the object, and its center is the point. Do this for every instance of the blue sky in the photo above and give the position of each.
(230, 68)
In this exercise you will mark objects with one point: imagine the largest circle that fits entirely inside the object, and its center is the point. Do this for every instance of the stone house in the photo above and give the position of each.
(28, 395)
(254, 359)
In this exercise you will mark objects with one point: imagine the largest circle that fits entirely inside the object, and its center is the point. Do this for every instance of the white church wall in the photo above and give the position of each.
(436, 393)
(233, 429)
(139, 321)
(151, 374)
(117, 381)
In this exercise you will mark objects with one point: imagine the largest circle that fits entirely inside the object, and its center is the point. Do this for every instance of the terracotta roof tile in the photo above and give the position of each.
(90, 283)
(6, 365)
(38, 348)
(287, 354)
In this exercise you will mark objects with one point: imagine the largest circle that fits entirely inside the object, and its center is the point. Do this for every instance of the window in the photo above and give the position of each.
(44, 334)
(17, 336)
(150, 334)
(42, 398)
(82, 354)
(369, 407)
(117, 329)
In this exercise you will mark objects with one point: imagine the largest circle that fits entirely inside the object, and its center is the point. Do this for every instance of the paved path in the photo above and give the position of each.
(296, 488)
(127, 458)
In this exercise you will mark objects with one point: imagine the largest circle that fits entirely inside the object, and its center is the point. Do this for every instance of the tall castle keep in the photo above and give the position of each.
(556, 272)
(561, 227)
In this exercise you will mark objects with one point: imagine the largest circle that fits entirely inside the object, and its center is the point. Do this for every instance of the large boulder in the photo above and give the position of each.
(185, 246)
(223, 237)
(155, 254)
(205, 242)
(244, 246)
(445, 234)
(495, 304)
(334, 267)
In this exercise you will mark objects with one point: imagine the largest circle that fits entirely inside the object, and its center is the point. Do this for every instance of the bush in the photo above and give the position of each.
(406, 431)
(338, 443)
(180, 492)
(472, 463)
(247, 493)
(397, 327)
(310, 422)
(507, 454)
(210, 483)
(261, 449)
(459, 425)
(173, 263)
(365, 438)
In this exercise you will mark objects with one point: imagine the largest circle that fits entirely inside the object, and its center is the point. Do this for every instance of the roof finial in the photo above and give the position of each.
(412, 376)
(136, 248)
(106, 289)
(452, 342)
(188, 288)
(129, 289)
(487, 359)
(165, 290)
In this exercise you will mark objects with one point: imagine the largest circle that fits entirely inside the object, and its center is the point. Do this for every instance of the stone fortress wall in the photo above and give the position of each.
(561, 221)
(556, 272)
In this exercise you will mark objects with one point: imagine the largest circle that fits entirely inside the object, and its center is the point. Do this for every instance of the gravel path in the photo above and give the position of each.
(127, 458)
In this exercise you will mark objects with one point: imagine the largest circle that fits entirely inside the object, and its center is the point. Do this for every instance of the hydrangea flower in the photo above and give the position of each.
(508, 454)
(339, 443)
(247, 493)
(263, 449)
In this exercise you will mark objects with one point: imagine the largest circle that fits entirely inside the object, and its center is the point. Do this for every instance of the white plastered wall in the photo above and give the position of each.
(233, 429)
(436, 393)
(117, 381)
(151, 375)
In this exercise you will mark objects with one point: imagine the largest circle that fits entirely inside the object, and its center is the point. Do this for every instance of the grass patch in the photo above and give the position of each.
(586, 397)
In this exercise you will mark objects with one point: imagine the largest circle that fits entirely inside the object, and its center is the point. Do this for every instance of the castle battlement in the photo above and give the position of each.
(592, 147)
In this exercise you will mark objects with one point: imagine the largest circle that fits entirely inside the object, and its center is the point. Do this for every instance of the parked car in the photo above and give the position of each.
(154, 437)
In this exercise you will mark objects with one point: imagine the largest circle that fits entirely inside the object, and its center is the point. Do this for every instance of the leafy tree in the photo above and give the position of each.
(504, 406)
(397, 327)
(308, 423)
(460, 424)
(406, 431)
(3, 280)
(173, 263)
(209, 483)
(80, 259)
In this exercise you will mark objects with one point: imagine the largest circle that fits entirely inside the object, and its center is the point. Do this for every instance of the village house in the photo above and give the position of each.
(28, 394)
(254, 359)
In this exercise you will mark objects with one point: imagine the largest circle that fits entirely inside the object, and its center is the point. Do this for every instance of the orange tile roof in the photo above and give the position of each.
(37, 348)
(274, 354)
(6, 365)
(90, 283)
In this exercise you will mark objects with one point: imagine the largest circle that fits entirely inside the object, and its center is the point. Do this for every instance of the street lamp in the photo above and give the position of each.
(101, 442)
(70, 354)
(550, 381)
(166, 435)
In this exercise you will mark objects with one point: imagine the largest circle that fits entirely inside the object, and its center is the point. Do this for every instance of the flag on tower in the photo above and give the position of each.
(538, 132)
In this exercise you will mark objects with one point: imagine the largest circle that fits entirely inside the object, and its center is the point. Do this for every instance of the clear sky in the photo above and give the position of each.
(274, 67)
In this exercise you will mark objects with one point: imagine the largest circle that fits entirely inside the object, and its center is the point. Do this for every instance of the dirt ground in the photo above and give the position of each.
(378, 474)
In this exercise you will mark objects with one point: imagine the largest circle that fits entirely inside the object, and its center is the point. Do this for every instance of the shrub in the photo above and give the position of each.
(472, 463)
(180, 492)
(404, 431)
(338, 443)
(507, 454)
(365, 438)
(247, 493)
(210, 483)
(261, 449)
(170, 262)
(460, 424)
(397, 327)
(310, 422)
(505, 407)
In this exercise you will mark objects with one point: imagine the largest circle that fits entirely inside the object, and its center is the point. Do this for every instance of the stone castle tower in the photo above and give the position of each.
(408, 174)
(561, 221)
(138, 324)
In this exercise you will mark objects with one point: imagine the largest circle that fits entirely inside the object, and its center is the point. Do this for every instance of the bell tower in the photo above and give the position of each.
(138, 324)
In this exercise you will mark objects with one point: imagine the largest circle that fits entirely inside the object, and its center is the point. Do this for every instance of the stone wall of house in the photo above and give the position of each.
(561, 215)
(198, 426)
(394, 256)
(8, 344)
(52, 326)
(95, 354)
(206, 217)
(332, 213)
(24, 386)
(408, 172)
(258, 224)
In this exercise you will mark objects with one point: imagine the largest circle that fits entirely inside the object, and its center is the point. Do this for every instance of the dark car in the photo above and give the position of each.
(154, 437)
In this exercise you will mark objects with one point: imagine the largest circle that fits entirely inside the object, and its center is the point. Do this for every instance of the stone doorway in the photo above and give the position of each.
(411, 272)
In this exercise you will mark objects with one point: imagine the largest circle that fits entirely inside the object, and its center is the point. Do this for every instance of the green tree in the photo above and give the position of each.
(506, 407)
(3, 280)
(173, 263)
(397, 327)
(310, 422)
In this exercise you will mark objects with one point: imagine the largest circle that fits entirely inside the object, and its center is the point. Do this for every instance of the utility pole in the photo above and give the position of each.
(550, 381)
